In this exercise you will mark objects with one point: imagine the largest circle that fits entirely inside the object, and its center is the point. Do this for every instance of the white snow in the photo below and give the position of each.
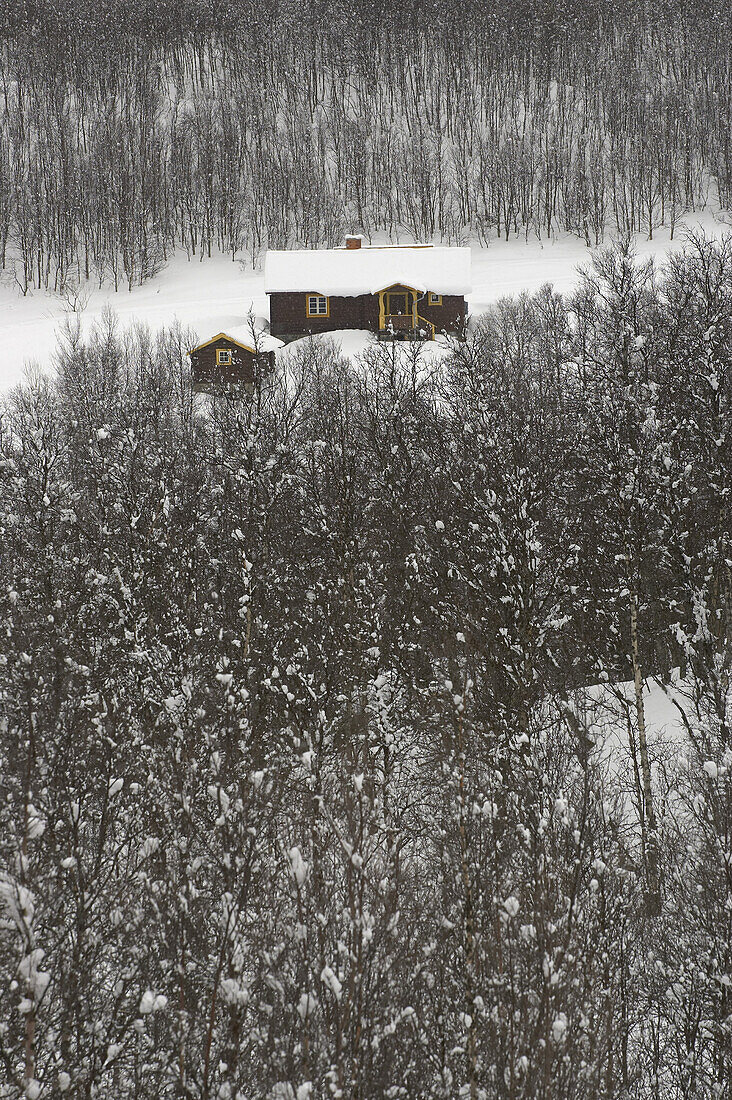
(605, 712)
(298, 866)
(36, 980)
(36, 823)
(260, 340)
(559, 1028)
(234, 992)
(151, 1002)
(329, 978)
(604, 709)
(352, 271)
(357, 342)
(208, 296)
(511, 905)
(306, 1006)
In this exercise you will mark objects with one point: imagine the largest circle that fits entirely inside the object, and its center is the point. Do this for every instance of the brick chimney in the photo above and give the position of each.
(353, 242)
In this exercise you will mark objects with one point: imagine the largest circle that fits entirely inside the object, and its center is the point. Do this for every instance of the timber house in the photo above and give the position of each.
(231, 360)
(399, 292)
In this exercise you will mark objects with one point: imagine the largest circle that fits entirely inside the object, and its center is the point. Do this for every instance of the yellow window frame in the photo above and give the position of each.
(224, 362)
(434, 299)
(320, 298)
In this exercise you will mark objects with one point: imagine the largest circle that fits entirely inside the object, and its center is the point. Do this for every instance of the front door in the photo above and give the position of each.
(397, 303)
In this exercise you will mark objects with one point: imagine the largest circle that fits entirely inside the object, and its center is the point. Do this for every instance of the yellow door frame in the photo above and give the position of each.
(383, 302)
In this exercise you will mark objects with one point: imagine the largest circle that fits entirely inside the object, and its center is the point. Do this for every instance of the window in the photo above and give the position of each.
(223, 357)
(435, 299)
(318, 305)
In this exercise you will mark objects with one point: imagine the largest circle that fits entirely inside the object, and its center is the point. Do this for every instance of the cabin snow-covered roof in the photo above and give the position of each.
(349, 272)
(241, 335)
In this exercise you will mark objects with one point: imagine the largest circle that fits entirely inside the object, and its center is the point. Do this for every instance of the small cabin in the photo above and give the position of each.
(411, 292)
(227, 362)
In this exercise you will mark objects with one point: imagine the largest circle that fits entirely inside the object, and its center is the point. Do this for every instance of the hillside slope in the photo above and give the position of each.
(210, 295)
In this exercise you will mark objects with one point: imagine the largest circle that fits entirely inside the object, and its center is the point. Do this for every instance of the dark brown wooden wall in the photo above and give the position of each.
(449, 317)
(288, 314)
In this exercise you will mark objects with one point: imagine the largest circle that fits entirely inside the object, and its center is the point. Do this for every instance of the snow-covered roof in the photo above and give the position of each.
(241, 335)
(348, 272)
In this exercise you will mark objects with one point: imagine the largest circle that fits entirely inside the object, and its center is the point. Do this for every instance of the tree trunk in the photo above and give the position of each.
(651, 852)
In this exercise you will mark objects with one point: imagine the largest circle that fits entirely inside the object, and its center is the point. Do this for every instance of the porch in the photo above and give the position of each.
(398, 316)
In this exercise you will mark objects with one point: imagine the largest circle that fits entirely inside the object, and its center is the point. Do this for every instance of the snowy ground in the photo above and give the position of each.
(353, 342)
(212, 295)
(604, 711)
(607, 705)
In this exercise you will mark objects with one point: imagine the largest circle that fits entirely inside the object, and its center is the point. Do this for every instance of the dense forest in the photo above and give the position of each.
(129, 129)
(306, 788)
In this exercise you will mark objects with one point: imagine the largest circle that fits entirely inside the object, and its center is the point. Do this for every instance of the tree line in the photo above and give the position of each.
(324, 763)
(129, 131)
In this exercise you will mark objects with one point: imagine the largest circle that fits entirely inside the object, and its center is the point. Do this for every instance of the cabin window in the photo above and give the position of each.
(435, 299)
(318, 305)
(223, 357)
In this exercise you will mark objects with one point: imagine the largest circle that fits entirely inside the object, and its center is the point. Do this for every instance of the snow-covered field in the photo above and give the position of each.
(606, 708)
(212, 295)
